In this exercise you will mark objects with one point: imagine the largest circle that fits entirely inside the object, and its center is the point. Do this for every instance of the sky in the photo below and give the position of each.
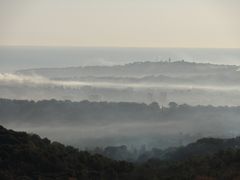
(121, 23)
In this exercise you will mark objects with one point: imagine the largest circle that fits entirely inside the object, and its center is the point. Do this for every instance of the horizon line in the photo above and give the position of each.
(120, 47)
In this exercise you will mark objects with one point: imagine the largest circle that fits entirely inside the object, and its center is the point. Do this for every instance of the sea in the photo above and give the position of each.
(13, 58)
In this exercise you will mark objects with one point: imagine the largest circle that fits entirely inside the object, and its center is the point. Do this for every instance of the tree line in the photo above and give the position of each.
(44, 111)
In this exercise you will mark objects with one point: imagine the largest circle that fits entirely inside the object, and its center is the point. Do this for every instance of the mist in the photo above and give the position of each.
(147, 89)
(119, 89)
(116, 103)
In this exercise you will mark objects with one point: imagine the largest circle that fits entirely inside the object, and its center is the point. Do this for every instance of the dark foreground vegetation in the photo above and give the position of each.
(27, 156)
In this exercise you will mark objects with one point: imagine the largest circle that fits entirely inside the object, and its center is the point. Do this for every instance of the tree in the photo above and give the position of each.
(173, 105)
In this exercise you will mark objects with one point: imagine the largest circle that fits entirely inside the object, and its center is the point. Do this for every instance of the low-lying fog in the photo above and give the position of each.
(36, 87)
(151, 134)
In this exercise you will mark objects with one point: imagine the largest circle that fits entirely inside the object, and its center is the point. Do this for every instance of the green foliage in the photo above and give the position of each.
(27, 156)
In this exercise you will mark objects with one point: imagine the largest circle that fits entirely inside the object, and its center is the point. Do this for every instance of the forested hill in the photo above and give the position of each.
(27, 156)
(136, 69)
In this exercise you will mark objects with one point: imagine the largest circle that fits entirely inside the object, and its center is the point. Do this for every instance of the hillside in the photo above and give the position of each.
(27, 156)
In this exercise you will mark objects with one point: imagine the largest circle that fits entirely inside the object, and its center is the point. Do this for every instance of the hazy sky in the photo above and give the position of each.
(136, 23)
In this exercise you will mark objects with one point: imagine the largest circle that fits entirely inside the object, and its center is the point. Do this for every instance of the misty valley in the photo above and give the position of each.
(140, 119)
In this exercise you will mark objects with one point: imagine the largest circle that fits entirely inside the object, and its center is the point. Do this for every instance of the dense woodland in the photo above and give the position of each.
(27, 156)
(40, 112)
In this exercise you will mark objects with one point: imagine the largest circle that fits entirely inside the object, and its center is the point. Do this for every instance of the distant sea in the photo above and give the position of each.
(14, 58)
